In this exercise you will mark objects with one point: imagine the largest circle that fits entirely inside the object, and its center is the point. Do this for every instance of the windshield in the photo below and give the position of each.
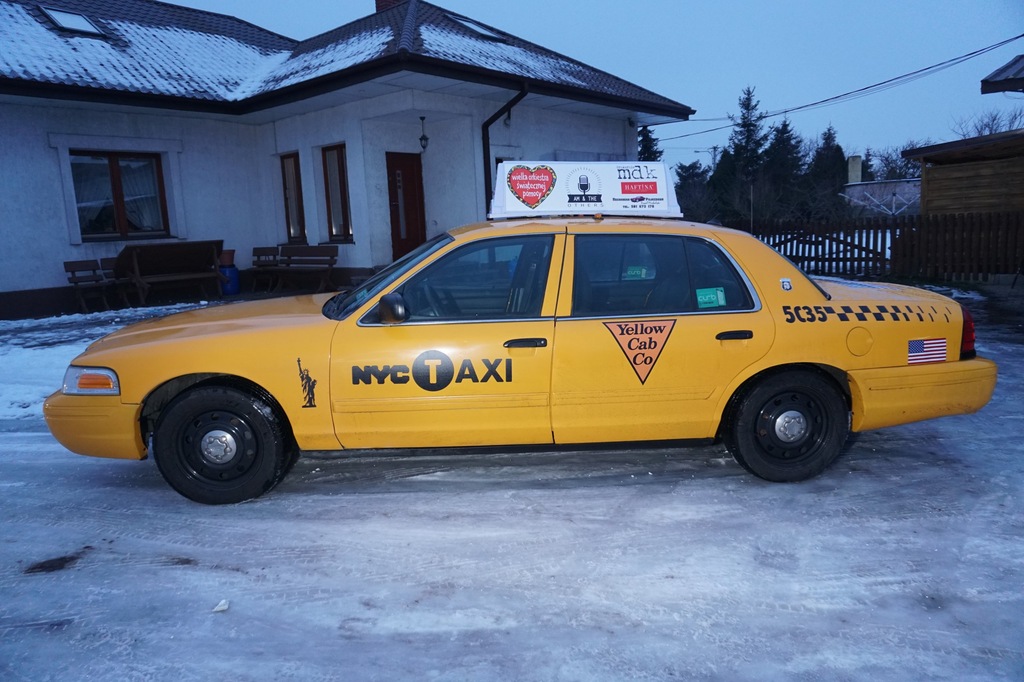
(342, 305)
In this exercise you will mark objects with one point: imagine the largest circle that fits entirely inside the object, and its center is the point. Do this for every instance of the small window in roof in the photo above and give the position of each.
(477, 28)
(71, 21)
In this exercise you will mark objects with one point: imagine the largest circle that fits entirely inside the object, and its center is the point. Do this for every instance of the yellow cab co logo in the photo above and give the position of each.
(642, 342)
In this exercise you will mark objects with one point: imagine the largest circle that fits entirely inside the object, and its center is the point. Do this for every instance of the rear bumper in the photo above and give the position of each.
(98, 426)
(900, 395)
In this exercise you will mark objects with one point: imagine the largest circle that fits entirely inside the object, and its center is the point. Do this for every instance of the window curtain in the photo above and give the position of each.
(141, 195)
(93, 194)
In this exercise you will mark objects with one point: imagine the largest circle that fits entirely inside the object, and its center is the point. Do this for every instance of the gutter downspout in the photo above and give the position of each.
(486, 132)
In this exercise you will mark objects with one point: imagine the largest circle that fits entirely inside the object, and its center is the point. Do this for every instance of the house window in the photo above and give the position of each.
(119, 194)
(293, 213)
(477, 28)
(71, 21)
(336, 190)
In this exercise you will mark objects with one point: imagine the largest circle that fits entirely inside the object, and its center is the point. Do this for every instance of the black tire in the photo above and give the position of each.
(196, 445)
(788, 427)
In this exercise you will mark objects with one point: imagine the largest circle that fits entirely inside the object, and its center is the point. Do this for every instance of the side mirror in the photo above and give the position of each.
(391, 309)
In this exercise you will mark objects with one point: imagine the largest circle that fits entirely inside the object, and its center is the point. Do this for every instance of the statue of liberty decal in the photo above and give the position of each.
(308, 385)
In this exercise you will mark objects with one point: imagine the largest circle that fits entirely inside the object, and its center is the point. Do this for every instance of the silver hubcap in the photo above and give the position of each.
(791, 426)
(219, 447)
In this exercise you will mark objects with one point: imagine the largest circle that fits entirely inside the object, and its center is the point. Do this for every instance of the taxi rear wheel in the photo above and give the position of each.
(789, 427)
(221, 445)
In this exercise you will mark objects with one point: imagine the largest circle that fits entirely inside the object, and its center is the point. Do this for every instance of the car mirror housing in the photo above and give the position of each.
(391, 309)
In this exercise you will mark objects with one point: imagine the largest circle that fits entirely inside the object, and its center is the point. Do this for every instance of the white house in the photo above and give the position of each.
(138, 119)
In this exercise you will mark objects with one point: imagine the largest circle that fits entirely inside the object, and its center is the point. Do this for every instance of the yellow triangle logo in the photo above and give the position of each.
(641, 342)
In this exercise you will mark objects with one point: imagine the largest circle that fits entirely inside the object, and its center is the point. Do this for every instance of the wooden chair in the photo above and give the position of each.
(263, 259)
(86, 277)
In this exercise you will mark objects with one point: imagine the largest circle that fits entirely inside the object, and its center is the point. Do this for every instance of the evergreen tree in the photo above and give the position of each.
(867, 166)
(825, 178)
(748, 137)
(736, 183)
(780, 174)
(647, 145)
(723, 186)
(693, 193)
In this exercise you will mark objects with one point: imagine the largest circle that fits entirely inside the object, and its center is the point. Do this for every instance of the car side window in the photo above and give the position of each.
(628, 274)
(716, 284)
(501, 278)
(653, 274)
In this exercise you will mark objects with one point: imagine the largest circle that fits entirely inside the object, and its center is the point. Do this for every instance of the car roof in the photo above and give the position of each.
(585, 225)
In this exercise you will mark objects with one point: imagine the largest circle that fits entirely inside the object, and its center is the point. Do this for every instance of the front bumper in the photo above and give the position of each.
(900, 395)
(98, 426)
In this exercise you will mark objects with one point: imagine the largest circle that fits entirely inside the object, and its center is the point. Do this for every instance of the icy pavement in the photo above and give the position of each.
(903, 562)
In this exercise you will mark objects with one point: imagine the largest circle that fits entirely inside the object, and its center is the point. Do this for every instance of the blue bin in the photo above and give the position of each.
(232, 286)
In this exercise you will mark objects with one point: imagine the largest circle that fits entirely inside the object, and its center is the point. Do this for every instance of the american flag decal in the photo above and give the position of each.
(920, 351)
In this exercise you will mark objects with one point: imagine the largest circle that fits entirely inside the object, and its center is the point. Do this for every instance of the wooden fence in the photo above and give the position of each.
(961, 247)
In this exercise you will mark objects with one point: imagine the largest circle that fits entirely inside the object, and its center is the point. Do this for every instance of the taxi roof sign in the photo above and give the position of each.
(546, 188)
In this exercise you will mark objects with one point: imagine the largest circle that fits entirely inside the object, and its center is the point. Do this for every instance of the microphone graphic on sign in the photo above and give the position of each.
(584, 183)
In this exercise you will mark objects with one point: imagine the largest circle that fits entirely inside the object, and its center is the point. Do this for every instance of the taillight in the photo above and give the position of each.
(967, 338)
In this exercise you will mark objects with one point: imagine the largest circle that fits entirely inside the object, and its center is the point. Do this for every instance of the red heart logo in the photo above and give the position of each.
(531, 185)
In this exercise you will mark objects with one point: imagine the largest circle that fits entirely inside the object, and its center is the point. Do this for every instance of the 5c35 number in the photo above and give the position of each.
(804, 313)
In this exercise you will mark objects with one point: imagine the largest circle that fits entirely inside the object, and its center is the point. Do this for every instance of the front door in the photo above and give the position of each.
(405, 195)
(472, 363)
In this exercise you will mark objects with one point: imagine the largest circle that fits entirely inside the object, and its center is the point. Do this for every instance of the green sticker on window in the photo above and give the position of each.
(635, 272)
(711, 298)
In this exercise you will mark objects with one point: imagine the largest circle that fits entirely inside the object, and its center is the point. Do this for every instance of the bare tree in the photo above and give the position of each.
(990, 122)
(888, 163)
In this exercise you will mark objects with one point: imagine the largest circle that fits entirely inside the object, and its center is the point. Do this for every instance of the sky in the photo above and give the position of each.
(703, 54)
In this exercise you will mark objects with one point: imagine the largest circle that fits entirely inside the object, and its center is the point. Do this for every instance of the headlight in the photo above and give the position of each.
(90, 381)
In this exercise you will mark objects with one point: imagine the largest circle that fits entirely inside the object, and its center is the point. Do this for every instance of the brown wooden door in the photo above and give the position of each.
(405, 194)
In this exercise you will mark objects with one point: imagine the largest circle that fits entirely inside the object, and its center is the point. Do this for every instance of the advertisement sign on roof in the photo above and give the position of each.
(545, 188)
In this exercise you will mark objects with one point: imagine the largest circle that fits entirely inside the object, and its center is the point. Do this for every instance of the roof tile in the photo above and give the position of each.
(157, 48)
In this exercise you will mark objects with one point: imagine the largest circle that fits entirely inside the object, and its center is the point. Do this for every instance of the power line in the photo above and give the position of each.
(859, 92)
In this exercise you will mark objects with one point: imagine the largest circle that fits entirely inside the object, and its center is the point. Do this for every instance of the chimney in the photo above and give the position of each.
(854, 166)
(387, 4)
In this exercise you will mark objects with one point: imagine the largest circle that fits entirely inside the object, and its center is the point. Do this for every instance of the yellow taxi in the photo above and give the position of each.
(531, 331)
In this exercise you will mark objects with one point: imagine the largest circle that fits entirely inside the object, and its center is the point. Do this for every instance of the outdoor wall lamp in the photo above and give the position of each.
(424, 140)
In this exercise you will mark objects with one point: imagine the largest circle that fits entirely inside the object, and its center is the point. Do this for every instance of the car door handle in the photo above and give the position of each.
(735, 335)
(526, 343)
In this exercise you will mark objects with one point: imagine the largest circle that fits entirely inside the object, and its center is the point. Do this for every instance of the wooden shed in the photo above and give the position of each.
(976, 175)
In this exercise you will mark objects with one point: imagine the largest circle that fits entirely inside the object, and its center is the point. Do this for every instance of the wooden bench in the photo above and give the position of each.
(174, 263)
(296, 263)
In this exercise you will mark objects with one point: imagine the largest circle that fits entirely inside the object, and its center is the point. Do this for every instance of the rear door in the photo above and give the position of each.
(651, 330)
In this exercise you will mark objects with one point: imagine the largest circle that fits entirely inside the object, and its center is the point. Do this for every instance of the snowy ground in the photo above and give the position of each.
(903, 562)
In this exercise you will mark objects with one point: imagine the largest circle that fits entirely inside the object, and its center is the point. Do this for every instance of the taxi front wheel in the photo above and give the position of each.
(220, 445)
(789, 427)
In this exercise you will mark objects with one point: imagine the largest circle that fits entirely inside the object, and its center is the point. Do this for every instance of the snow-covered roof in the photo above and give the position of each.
(155, 50)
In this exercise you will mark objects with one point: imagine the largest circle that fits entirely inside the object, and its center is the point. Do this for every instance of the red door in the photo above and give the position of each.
(405, 194)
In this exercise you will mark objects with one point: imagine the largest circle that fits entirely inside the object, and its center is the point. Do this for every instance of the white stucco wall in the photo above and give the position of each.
(223, 178)
(219, 176)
